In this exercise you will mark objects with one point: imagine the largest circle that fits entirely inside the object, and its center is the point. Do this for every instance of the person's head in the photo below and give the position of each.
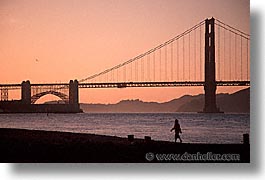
(176, 121)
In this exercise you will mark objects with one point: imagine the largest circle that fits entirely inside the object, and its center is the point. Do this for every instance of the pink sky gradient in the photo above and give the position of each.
(73, 39)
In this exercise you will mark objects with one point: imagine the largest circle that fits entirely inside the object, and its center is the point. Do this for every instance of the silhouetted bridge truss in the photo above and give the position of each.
(209, 54)
(48, 88)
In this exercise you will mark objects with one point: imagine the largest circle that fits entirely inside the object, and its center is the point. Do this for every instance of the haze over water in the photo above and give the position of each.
(196, 128)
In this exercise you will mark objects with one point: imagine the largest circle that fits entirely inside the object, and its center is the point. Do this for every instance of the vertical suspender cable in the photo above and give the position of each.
(142, 69)
(247, 61)
(147, 67)
(160, 65)
(241, 58)
(154, 66)
(189, 56)
(200, 53)
(166, 62)
(136, 70)
(230, 56)
(219, 60)
(235, 58)
(224, 56)
(195, 55)
(172, 61)
(131, 67)
(183, 61)
(112, 76)
(107, 77)
(177, 60)
(124, 73)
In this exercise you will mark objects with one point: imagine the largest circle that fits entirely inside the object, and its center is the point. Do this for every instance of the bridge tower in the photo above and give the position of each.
(210, 82)
(73, 93)
(26, 92)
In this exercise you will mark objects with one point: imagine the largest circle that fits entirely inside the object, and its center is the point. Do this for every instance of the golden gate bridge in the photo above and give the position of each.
(209, 54)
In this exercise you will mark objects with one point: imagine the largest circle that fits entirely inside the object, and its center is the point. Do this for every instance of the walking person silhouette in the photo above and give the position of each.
(177, 131)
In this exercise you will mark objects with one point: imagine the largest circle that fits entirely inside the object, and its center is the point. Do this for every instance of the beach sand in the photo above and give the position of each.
(20, 145)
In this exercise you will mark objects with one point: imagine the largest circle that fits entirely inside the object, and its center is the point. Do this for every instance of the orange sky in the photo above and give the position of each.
(73, 39)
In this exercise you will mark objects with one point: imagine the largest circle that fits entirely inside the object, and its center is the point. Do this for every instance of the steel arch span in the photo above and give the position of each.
(62, 96)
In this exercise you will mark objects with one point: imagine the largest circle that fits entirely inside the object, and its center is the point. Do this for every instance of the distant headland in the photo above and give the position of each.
(238, 102)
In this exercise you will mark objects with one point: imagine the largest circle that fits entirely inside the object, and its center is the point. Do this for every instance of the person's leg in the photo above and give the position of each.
(180, 139)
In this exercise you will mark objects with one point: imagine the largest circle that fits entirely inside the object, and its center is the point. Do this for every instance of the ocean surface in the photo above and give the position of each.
(196, 127)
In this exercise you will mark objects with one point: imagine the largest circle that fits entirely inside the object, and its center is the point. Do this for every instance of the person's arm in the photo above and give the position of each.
(172, 129)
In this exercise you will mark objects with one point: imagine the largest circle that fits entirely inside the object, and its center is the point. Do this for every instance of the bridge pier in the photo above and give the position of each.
(210, 81)
(26, 92)
(73, 93)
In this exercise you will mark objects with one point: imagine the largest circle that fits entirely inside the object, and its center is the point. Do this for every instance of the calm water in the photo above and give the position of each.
(203, 128)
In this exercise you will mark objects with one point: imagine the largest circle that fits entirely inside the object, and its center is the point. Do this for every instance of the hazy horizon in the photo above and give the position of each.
(151, 101)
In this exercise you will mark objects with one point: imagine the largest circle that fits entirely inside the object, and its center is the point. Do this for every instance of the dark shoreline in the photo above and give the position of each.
(20, 145)
(19, 106)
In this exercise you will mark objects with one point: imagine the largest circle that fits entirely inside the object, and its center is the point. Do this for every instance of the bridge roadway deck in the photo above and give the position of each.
(160, 84)
(128, 84)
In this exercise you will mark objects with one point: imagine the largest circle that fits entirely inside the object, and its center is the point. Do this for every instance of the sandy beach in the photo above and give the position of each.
(20, 145)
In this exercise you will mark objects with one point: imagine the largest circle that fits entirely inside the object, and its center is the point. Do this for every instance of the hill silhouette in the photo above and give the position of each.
(236, 102)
